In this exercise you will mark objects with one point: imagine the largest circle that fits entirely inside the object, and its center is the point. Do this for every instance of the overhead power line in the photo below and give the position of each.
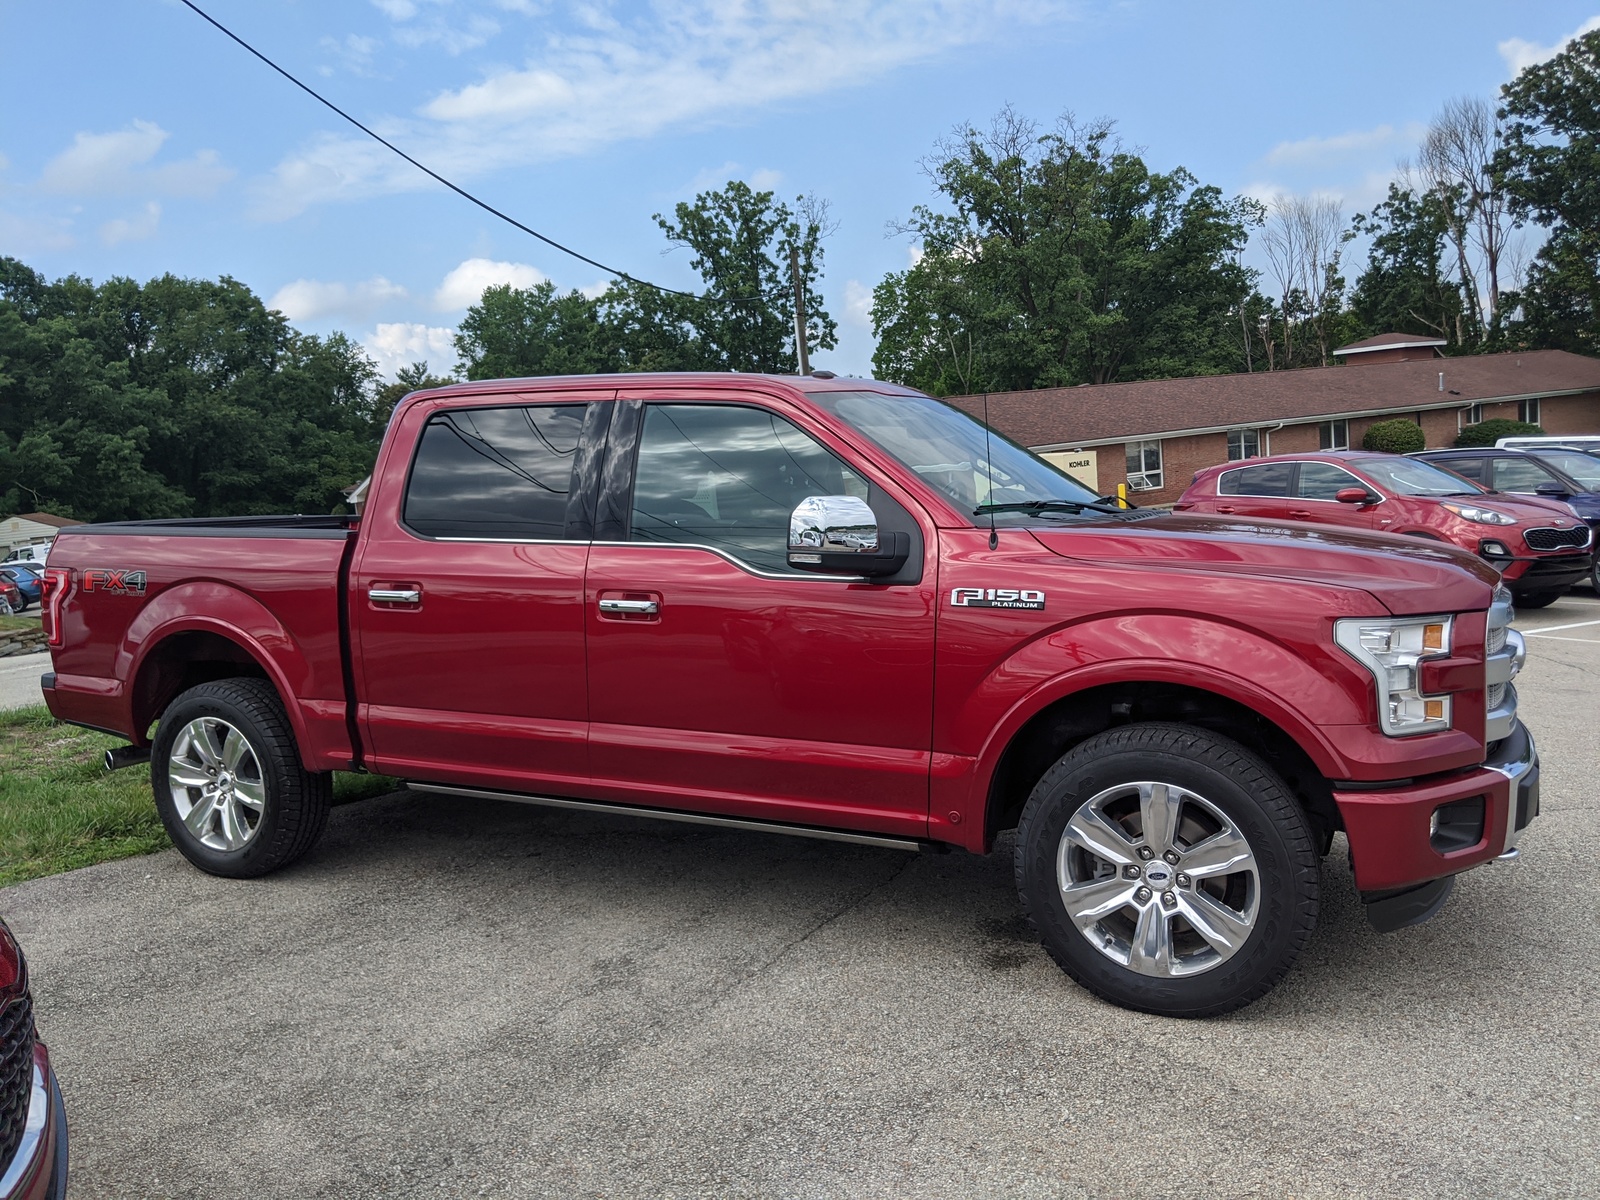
(432, 174)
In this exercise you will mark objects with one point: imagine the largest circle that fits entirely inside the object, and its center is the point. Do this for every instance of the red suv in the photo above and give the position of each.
(1540, 547)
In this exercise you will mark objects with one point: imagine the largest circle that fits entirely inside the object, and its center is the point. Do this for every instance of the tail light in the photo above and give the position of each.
(57, 582)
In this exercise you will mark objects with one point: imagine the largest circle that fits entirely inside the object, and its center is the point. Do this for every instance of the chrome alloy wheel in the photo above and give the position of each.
(1158, 879)
(216, 784)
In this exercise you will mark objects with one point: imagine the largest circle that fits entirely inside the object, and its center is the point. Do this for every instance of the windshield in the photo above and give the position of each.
(947, 448)
(1408, 477)
(1584, 468)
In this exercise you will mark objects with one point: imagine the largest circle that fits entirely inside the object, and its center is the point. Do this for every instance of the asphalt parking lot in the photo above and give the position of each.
(477, 999)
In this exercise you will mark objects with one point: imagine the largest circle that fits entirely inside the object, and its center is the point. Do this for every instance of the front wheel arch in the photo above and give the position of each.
(1058, 727)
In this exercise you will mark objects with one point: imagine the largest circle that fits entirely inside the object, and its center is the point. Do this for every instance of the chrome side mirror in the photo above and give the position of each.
(839, 535)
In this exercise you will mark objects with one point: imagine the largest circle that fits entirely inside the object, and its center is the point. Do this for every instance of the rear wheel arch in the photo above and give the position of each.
(181, 659)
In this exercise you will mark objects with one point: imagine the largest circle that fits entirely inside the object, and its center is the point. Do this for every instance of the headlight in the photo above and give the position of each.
(1482, 516)
(1393, 650)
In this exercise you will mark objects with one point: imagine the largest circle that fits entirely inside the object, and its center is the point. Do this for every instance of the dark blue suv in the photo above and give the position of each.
(1552, 472)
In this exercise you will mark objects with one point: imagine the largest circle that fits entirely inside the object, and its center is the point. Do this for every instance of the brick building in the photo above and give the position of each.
(1157, 433)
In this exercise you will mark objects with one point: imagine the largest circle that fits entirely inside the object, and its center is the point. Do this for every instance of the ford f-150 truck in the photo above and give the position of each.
(832, 608)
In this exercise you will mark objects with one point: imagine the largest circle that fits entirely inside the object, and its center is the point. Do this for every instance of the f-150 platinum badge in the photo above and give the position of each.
(966, 597)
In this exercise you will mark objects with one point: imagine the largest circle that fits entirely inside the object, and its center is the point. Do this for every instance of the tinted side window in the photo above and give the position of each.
(1269, 479)
(1519, 475)
(494, 472)
(1322, 481)
(1472, 468)
(728, 477)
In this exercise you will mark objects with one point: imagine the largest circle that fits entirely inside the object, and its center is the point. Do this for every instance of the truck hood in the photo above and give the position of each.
(1406, 575)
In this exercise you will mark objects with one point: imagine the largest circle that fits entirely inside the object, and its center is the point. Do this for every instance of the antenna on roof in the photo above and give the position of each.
(988, 472)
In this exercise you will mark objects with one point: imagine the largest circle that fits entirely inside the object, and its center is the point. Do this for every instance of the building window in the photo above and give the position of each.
(1530, 411)
(1144, 467)
(1335, 435)
(1243, 443)
(1470, 415)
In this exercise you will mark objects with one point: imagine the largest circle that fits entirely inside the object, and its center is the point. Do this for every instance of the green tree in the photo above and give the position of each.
(1061, 259)
(176, 397)
(513, 332)
(743, 317)
(413, 378)
(1487, 433)
(1550, 166)
(1404, 288)
(1397, 436)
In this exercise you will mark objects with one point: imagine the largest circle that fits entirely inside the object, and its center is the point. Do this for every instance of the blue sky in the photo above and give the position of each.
(136, 140)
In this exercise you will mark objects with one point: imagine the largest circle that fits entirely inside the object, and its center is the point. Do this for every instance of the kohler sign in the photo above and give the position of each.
(1082, 465)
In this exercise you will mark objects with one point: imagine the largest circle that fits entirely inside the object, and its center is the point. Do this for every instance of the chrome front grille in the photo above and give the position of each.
(1546, 538)
(1503, 656)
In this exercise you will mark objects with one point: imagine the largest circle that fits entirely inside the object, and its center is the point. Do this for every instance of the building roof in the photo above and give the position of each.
(1061, 418)
(44, 519)
(1390, 341)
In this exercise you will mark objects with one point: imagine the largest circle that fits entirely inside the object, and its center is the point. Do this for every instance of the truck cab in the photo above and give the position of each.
(831, 608)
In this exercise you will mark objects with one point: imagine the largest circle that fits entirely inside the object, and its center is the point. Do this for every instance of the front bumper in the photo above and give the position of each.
(1546, 573)
(1391, 846)
(38, 1170)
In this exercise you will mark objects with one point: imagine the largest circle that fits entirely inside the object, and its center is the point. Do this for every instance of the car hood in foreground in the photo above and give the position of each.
(1407, 575)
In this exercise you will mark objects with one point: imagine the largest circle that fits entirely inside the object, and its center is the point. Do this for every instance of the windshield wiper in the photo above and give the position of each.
(1044, 506)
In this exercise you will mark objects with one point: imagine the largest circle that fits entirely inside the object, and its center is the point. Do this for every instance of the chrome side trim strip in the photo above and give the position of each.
(33, 1133)
(663, 814)
(798, 577)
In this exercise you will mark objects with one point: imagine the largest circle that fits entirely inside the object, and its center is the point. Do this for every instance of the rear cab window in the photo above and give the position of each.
(494, 473)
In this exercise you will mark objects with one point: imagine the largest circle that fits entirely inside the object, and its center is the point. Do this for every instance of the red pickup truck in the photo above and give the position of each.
(832, 608)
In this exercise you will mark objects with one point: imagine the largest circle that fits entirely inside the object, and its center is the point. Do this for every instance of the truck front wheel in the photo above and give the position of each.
(228, 781)
(1168, 869)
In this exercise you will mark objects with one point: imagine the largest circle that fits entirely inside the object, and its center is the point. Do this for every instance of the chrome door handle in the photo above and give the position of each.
(647, 608)
(395, 595)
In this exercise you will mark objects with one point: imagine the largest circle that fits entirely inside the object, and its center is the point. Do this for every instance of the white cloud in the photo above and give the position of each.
(119, 163)
(396, 10)
(464, 286)
(1354, 144)
(1520, 54)
(28, 235)
(354, 52)
(516, 93)
(313, 299)
(607, 73)
(132, 229)
(450, 39)
(403, 343)
(858, 303)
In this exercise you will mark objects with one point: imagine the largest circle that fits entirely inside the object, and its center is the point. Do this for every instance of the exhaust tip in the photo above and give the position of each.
(126, 756)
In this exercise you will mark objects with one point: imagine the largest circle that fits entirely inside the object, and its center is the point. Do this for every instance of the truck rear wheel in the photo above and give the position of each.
(228, 780)
(1167, 869)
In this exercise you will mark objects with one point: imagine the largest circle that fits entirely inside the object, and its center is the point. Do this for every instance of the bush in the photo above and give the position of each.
(1398, 436)
(1487, 433)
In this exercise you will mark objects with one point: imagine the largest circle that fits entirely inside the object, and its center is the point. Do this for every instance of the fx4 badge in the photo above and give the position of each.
(995, 598)
(120, 583)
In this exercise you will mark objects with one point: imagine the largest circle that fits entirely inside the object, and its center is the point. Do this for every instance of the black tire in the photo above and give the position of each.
(296, 801)
(1224, 778)
(1536, 599)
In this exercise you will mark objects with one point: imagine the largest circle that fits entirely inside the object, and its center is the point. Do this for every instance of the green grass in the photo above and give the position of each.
(61, 809)
(9, 622)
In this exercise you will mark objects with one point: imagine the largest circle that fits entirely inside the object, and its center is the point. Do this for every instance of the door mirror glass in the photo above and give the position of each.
(1354, 495)
(839, 535)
